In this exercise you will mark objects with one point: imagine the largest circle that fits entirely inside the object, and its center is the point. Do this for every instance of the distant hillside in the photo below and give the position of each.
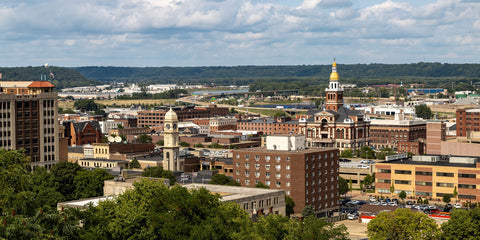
(62, 77)
(244, 75)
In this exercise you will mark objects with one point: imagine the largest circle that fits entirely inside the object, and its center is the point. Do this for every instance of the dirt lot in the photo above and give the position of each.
(355, 229)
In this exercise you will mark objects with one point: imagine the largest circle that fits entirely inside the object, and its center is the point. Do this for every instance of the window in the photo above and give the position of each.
(384, 181)
(267, 174)
(288, 158)
(464, 175)
(247, 181)
(288, 167)
(278, 167)
(421, 183)
(423, 173)
(257, 165)
(444, 174)
(288, 175)
(278, 183)
(267, 183)
(247, 173)
(247, 165)
(247, 156)
(257, 174)
(267, 166)
(403, 172)
(427, 194)
(439, 184)
(468, 186)
(278, 175)
(384, 170)
(278, 158)
(403, 182)
(257, 157)
(267, 158)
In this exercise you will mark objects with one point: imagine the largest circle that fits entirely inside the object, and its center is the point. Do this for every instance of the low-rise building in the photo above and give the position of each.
(430, 176)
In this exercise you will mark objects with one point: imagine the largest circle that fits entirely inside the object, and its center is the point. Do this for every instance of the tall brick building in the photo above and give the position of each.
(308, 175)
(269, 126)
(30, 120)
(388, 133)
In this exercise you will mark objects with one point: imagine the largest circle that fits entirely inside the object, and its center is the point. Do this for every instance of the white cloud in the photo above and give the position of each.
(232, 32)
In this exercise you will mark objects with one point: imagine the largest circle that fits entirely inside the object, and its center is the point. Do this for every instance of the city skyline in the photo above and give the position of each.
(232, 32)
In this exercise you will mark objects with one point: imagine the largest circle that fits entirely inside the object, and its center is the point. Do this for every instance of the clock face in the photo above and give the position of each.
(174, 126)
(167, 126)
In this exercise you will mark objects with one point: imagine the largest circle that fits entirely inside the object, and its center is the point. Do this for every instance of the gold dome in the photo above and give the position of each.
(334, 75)
(171, 116)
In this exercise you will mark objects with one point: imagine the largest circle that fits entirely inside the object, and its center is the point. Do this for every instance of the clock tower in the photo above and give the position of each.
(170, 137)
(334, 98)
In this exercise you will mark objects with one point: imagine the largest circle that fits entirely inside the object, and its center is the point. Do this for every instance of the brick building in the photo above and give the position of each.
(213, 124)
(80, 133)
(29, 111)
(153, 118)
(308, 175)
(387, 133)
(414, 147)
(468, 124)
(269, 126)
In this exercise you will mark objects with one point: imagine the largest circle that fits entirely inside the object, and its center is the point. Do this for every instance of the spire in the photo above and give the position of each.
(334, 74)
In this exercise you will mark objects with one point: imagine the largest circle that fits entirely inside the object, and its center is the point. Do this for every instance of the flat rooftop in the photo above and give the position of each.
(231, 193)
(301, 151)
(442, 163)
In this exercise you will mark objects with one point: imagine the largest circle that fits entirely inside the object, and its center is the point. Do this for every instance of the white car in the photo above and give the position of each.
(352, 217)
(457, 205)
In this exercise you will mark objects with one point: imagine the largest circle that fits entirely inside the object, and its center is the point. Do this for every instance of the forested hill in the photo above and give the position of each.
(61, 77)
(241, 75)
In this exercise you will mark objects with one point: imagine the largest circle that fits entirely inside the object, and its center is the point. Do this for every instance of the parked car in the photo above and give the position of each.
(352, 217)
(457, 205)
(409, 202)
(372, 199)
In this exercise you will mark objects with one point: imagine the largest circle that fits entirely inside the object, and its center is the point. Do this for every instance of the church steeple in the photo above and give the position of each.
(334, 98)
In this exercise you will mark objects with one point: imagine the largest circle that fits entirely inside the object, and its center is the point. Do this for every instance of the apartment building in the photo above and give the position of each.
(308, 175)
(29, 111)
(388, 133)
(269, 126)
(153, 118)
(430, 176)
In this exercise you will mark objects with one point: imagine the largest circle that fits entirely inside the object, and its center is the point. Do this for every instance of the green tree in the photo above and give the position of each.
(261, 185)
(455, 194)
(232, 110)
(120, 126)
(366, 152)
(63, 178)
(184, 144)
(463, 224)
(316, 228)
(402, 195)
(384, 152)
(89, 183)
(221, 179)
(159, 172)
(289, 206)
(199, 145)
(160, 143)
(86, 105)
(348, 153)
(447, 198)
(308, 211)
(343, 186)
(392, 189)
(280, 113)
(403, 224)
(423, 111)
(151, 210)
(350, 185)
(134, 164)
(144, 138)
(215, 145)
(369, 179)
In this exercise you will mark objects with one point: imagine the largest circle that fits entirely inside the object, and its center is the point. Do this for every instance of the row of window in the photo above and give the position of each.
(423, 183)
(425, 173)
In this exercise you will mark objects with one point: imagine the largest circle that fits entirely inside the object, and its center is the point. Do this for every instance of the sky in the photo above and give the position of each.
(153, 33)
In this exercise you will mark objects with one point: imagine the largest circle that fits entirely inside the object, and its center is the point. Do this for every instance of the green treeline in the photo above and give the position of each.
(61, 77)
(429, 73)
(175, 93)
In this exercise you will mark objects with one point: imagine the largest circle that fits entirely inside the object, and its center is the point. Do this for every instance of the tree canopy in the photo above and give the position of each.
(423, 111)
(403, 224)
